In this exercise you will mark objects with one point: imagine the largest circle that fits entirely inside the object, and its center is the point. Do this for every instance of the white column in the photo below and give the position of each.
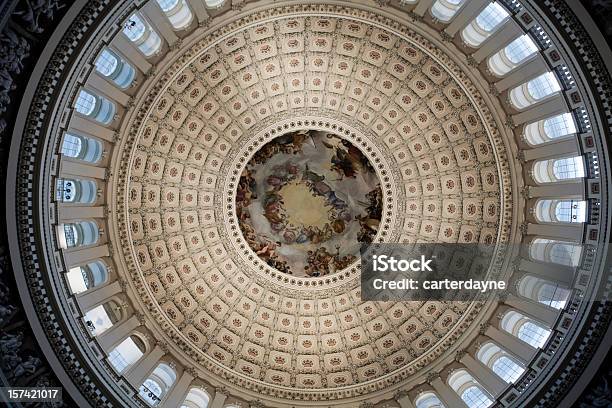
(199, 9)
(87, 127)
(404, 402)
(484, 375)
(218, 399)
(534, 309)
(178, 392)
(503, 36)
(447, 395)
(159, 20)
(422, 7)
(130, 53)
(81, 256)
(523, 73)
(465, 15)
(137, 374)
(73, 212)
(107, 88)
(552, 106)
(94, 297)
(561, 274)
(69, 167)
(570, 232)
(553, 149)
(558, 190)
(513, 345)
(112, 337)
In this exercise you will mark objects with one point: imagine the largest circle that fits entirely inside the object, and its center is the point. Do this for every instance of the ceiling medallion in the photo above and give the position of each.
(307, 202)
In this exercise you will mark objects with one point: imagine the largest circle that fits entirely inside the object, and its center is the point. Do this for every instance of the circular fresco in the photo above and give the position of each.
(307, 202)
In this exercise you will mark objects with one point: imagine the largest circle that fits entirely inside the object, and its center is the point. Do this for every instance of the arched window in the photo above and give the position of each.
(72, 145)
(543, 291)
(500, 362)
(475, 397)
(552, 170)
(142, 35)
(157, 385)
(82, 148)
(126, 353)
(95, 107)
(485, 24)
(513, 55)
(428, 400)
(76, 191)
(196, 398)
(84, 277)
(507, 369)
(214, 3)
(545, 130)
(533, 333)
(113, 67)
(178, 12)
(470, 391)
(535, 90)
(101, 318)
(559, 252)
(445, 10)
(524, 328)
(560, 210)
(78, 233)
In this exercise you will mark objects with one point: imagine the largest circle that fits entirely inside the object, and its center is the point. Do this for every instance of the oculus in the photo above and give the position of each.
(307, 202)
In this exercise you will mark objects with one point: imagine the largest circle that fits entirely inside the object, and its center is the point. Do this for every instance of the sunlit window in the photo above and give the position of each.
(71, 145)
(533, 334)
(102, 318)
(150, 391)
(444, 10)
(126, 353)
(553, 295)
(75, 191)
(520, 49)
(513, 55)
(559, 252)
(507, 369)
(107, 63)
(534, 90)
(429, 400)
(142, 35)
(491, 16)
(549, 129)
(196, 398)
(85, 103)
(157, 385)
(568, 168)
(167, 4)
(85, 277)
(134, 28)
(551, 170)
(548, 210)
(78, 234)
(475, 398)
(559, 126)
(525, 329)
(214, 3)
(500, 362)
(543, 86)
